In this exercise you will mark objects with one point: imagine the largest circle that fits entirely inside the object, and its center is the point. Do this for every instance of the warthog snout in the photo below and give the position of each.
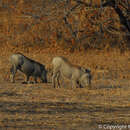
(85, 80)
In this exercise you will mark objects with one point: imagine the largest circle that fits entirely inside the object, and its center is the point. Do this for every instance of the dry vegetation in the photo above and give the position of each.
(73, 25)
(39, 106)
(42, 29)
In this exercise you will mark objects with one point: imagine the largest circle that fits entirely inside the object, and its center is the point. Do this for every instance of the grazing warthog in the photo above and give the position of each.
(77, 74)
(28, 67)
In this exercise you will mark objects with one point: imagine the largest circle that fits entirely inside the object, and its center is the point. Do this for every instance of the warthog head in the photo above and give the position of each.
(85, 80)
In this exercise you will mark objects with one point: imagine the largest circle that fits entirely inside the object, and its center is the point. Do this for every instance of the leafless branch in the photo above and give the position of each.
(74, 33)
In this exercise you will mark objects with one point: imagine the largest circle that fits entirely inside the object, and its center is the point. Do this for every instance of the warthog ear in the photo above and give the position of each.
(88, 71)
(85, 70)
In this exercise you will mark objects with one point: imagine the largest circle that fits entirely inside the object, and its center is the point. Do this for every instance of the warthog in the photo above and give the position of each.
(77, 74)
(28, 67)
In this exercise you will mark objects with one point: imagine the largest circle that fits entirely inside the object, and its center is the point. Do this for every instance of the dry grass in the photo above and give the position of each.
(41, 22)
(39, 106)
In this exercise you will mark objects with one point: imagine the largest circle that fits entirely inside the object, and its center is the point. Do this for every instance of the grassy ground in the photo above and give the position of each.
(39, 106)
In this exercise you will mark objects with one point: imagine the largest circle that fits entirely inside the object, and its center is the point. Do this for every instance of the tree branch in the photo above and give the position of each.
(123, 19)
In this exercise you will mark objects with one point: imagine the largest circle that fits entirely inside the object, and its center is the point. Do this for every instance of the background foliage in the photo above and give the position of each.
(71, 24)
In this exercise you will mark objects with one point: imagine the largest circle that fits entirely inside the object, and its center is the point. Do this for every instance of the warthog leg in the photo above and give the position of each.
(79, 85)
(35, 79)
(55, 76)
(26, 80)
(44, 77)
(58, 76)
(13, 71)
(53, 80)
(74, 83)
